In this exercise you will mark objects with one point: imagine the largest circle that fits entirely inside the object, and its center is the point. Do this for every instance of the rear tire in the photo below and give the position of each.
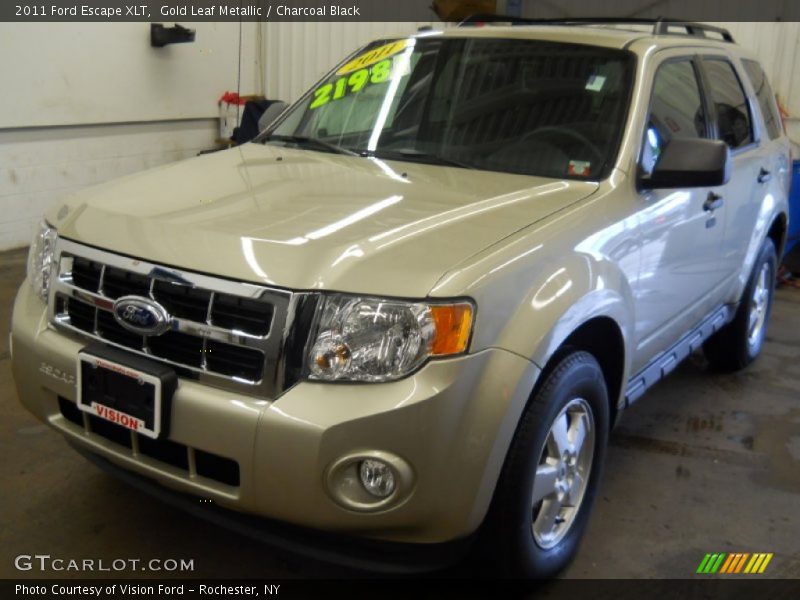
(739, 343)
(549, 480)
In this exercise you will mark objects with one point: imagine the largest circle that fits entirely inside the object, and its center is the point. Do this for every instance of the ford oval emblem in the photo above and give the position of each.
(141, 315)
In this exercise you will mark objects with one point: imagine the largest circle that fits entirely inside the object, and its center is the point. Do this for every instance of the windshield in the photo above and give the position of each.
(519, 106)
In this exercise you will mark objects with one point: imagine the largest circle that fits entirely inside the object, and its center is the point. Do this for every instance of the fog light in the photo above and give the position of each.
(377, 477)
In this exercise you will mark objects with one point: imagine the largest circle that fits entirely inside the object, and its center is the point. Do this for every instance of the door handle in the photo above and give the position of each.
(713, 202)
(764, 175)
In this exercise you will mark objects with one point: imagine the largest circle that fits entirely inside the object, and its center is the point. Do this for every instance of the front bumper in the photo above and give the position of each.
(391, 558)
(451, 423)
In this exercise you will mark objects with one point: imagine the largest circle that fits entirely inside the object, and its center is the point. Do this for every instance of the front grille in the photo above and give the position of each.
(229, 333)
(108, 328)
(184, 302)
(206, 464)
(115, 283)
(241, 313)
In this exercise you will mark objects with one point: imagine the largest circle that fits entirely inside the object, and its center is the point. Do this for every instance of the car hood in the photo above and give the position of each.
(311, 220)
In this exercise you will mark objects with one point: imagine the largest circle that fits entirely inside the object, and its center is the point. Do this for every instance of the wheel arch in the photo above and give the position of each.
(602, 337)
(777, 233)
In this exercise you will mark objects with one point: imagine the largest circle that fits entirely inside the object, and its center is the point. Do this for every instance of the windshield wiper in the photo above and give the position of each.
(418, 156)
(302, 140)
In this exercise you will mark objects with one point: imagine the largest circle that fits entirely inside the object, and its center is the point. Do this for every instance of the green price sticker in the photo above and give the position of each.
(352, 83)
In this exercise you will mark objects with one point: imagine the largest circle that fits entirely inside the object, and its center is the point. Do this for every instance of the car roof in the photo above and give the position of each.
(609, 36)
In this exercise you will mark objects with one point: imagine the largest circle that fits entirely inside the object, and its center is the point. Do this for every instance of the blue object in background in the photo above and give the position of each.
(794, 208)
(514, 8)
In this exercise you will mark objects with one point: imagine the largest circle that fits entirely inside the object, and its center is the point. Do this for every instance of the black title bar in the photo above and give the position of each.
(403, 589)
(380, 10)
(215, 10)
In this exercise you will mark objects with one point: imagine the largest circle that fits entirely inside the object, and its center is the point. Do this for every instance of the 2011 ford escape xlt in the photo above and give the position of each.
(412, 309)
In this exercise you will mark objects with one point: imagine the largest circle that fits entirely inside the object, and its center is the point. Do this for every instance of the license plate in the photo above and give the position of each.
(120, 394)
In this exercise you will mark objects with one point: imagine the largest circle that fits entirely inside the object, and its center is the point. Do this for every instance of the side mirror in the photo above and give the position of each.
(690, 162)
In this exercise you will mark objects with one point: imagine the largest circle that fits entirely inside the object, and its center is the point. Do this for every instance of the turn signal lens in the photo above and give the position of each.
(453, 326)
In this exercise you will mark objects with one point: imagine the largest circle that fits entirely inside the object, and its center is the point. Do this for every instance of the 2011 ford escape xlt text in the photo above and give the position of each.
(412, 309)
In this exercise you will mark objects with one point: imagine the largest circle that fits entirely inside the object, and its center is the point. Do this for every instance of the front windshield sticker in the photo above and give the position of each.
(579, 168)
(354, 82)
(595, 83)
(373, 56)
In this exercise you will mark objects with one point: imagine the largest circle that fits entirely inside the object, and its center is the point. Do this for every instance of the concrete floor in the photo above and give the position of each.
(704, 463)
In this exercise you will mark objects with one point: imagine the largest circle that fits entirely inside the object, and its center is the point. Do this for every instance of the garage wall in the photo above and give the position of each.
(40, 166)
(93, 101)
(78, 73)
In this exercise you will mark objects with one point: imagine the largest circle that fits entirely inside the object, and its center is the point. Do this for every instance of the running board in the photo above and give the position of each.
(665, 363)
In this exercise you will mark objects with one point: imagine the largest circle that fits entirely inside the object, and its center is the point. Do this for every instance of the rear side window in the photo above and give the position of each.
(733, 113)
(676, 110)
(766, 99)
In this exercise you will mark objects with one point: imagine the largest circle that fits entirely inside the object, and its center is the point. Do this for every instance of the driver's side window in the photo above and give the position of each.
(676, 110)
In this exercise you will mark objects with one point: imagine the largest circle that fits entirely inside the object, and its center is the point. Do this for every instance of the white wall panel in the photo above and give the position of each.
(81, 73)
(86, 102)
(39, 167)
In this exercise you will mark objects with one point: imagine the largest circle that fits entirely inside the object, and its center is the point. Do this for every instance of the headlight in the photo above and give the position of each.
(40, 259)
(374, 339)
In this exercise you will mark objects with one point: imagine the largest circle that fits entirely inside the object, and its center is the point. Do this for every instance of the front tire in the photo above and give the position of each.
(739, 343)
(550, 477)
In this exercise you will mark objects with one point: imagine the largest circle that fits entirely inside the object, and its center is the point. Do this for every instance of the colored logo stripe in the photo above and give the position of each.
(733, 563)
(732, 558)
(711, 563)
(758, 563)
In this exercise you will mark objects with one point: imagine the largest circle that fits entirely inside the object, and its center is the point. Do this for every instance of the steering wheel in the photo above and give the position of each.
(567, 133)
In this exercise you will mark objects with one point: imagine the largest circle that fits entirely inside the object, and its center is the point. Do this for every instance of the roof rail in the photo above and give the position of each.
(660, 26)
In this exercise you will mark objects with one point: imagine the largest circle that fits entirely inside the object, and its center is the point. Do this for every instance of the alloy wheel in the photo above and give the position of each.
(563, 473)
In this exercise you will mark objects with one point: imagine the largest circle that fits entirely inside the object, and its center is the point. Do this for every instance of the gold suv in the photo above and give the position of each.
(411, 310)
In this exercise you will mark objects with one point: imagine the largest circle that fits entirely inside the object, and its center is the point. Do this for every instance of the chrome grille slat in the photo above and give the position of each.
(96, 328)
(102, 279)
(240, 354)
(210, 308)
